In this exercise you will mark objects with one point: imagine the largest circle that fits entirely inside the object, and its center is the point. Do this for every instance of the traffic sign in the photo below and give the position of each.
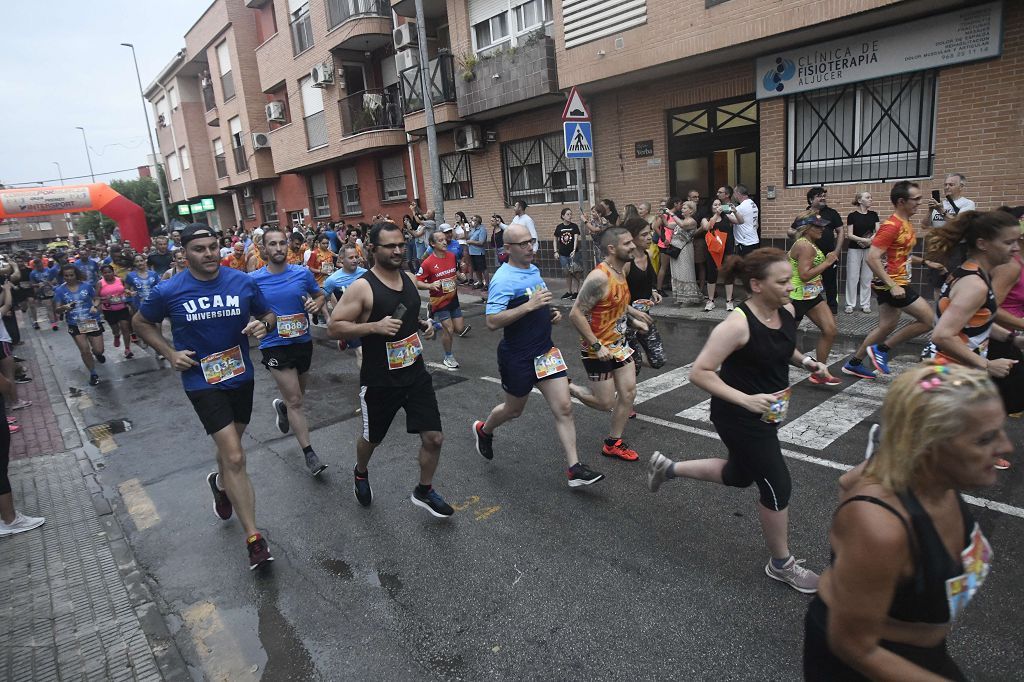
(579, 142)
(575, 108)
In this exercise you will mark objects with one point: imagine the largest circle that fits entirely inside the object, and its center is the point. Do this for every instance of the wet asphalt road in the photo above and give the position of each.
(530, 580)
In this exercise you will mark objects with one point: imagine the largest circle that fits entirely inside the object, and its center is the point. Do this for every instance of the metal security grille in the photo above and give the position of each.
(537, 172)
(873, 131)
(456, 176)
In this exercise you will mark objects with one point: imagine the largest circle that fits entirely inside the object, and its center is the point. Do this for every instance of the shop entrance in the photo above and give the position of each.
(711, 145)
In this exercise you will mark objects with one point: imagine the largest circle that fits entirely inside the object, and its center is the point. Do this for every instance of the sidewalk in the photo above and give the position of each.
(72, 601)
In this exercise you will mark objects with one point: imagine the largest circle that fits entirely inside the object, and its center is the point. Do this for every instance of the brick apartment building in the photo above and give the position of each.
(853, 94)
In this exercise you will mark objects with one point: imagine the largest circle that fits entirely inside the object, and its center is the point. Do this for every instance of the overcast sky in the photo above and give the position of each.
(62, 65)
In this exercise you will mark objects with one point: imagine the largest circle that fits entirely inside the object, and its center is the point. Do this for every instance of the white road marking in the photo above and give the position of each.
(663, 383)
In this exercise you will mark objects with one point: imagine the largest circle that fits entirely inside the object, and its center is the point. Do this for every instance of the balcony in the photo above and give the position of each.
(442, 84)
(432, 9)
(316, 130)
(363, 25)
(209, 101)
(221, 163)
(509, 81)
(374, 109)
(241, 161)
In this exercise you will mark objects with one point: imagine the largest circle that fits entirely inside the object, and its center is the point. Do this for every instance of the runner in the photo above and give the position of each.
(808, 262)
(44, 280)
(600, 313)
(749, 398)
(210, 307)
(907, 554)
(382, 308)
(236, 259)
(895, 239)
(114, 304)
(79, 304)
(292, 293)
(335, 286)
(440, 270)
(179, 265)
(518, 302)
(641, 278)
(297, 248)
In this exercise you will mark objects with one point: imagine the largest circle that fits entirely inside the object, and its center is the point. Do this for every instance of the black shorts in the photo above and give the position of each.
(73, 330)
(113, 317)
(478, 263)
(600, 370)
(297, 356)
(801, 308)
(218, 408)
(518, 377)
(380, 404)
(744, 249)
(885, 298)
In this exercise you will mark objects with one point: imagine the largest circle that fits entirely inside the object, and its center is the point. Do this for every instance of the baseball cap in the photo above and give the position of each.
(812, 220)
(445, 227)
(196, 231)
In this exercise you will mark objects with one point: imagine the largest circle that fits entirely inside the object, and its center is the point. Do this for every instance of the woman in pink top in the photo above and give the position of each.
(114, 305)
(1008, 285)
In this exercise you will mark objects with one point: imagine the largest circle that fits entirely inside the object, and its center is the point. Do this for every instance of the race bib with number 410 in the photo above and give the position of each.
(404, 353)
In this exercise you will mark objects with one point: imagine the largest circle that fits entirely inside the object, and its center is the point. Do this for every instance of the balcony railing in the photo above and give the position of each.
(340, 11)
(373, 109)
(442, 83)
(316, 130)
(241, 161)
(222, 165)
(209, 101)
(227, 84)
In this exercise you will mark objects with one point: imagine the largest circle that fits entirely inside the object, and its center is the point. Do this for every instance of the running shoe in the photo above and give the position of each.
(94, 380)
(282, 415)
(12, 420)
(621, 450)
(135, 338)
(483, 441)
(53, 326)
(729, 306)
(221, 503)
(1002, 464)
(432, 502)
(128, 355)
(858, 371)
(580, 475)
(794, 575)
(117, 342)
(314, 465)
(450, 362)
(21, 405)
(656, 468)
(825, 381)
(342, 344)
(35, 325)
(465, 331)
(880, 358)
(20, 524)
(23, 379)
(13, 428)
(362, 488)
(709, 306)
(259, 552)
(101, 358)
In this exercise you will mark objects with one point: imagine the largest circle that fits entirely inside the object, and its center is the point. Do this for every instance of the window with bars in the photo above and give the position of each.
(392, 179)
(348, 191)
(456, 176)
(318, 196)
(873, 131)
(248, 205)
(536, 171)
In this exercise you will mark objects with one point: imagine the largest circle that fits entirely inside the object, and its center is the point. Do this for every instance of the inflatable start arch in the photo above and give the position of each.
(42, 201)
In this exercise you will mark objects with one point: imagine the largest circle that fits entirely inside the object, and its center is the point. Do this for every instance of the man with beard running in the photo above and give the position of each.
(519, 303)
(600, 314)
(210, 309)
(382, 308)
(292, 293)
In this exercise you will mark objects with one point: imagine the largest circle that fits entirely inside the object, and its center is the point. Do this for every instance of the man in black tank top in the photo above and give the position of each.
(382, 308)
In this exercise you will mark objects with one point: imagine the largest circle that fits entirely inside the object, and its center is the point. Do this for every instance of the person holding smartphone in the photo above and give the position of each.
(942, 209)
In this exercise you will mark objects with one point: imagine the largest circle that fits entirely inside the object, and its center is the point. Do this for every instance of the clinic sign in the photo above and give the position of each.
(55, 199)
(965, 35)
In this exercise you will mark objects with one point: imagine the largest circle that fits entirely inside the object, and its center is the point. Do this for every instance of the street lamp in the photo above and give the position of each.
(60, 173)
(87, 157)
(149, 131)
(67, 216)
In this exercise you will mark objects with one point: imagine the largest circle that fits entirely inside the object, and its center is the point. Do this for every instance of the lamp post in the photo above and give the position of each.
(67, 216)
(88, 158)
(149, 131)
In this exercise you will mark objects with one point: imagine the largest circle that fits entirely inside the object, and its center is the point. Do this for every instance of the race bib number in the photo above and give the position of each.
(404, 353)
(88, 325)
(548, 364)
(327, 267)
(223, 365)
(976, 559)
(292, 326)
(114, 300)
(812, 290)
(620, 351)
(644, 305)
(447, 286)
(776, 413)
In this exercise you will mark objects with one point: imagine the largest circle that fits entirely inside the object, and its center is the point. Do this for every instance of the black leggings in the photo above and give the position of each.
(755, 456)
(5, 450)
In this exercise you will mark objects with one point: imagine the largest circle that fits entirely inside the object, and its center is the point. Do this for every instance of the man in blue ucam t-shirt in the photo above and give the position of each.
(518, 302)
(210, 308)
(292, 293)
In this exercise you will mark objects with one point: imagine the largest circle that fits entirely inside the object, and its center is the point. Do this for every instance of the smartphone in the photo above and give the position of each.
(400, 312)
(936, 196)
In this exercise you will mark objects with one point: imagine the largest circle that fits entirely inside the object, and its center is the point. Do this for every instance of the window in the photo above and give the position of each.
(238, 144)
(172, 166)
(218, 158)
(490, 32)
(873, 131)
(532, 14)
(172, 97)
(313, 114)
(456, 178)
(163, 119)
(301, 25)
(269, 202)
(392, 178)
(248, 203)
(183, 155)
(584, 22)
(348, 191)
(227, 83)
(318, 196)
(295, 218)
(537, 171)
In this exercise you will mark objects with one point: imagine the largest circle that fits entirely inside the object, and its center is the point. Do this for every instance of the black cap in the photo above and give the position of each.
(812, 220)
(196, 231)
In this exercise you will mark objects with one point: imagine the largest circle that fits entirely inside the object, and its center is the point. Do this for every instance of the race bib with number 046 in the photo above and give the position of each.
(223, 365)
(292, 326)
(548, 364)
(404, 353)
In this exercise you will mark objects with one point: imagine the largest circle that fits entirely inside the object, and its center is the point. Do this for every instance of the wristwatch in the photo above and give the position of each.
(266, 324)
(596, 346)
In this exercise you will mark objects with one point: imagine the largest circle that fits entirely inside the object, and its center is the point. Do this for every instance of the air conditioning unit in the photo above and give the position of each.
(405, 35)
(275, 111)
(322, 75)
(467, 138)
(260, 141)
(406, 59)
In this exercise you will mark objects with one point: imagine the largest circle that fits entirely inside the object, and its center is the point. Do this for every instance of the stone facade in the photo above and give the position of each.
(508, 77)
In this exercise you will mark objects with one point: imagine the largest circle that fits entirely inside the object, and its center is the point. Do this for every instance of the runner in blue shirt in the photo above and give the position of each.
(80, 305)
(44, 280)
(88, 266)
(292, 293)
(518, 302)
(138, 283)
(336, 284)
(210, 309)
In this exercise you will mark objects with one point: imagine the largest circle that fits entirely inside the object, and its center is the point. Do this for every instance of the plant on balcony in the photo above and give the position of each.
(466, 63)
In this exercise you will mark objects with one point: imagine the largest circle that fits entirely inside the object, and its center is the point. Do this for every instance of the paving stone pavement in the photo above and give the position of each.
(40, 432)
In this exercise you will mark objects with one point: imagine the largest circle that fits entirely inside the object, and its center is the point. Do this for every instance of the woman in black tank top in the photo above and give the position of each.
(754, 347)
(640, 278)
(907, 553)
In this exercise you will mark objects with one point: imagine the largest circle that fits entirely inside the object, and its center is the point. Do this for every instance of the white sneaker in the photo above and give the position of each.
(848, 310)
(794, 575)
(20, 524)
(729, 306)
(865, 309)
(450, 362)
(709, 306)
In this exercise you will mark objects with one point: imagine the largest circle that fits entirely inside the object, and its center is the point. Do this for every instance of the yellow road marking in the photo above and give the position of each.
(485, 513)
(139, 505)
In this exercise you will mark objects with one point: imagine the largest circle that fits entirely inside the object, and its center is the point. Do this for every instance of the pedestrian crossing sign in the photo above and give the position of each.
(579, 143)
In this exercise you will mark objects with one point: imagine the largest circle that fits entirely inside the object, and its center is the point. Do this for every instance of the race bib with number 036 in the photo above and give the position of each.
(223, 365)
(404, 353)
(292, 326)
(548, 364)
(776, 413)
(88, 325)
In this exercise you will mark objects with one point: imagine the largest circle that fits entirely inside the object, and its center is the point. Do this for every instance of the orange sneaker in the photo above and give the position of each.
(621, 450)
(1002, 464)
